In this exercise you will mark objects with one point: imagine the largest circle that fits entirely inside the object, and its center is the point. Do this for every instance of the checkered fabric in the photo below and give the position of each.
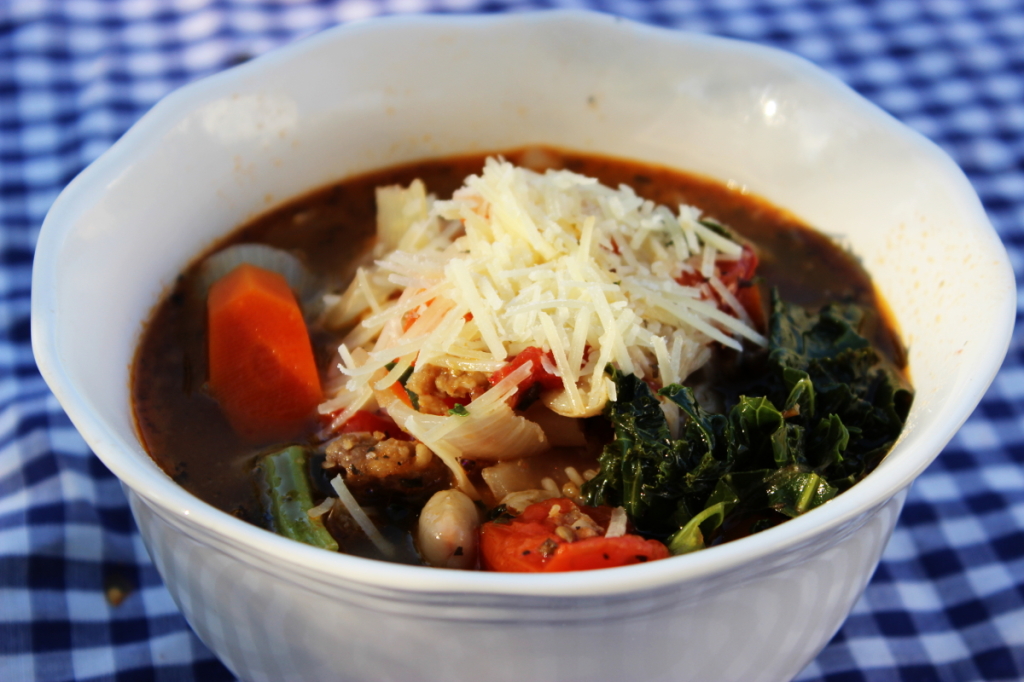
(947, 602)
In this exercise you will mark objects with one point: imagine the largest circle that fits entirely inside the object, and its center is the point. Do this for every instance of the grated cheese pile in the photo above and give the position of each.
(518, 259)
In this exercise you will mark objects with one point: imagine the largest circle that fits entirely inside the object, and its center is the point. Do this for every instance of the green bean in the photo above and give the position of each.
(284, 487)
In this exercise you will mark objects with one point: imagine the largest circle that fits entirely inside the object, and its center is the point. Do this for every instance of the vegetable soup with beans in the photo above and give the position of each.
(534, 361)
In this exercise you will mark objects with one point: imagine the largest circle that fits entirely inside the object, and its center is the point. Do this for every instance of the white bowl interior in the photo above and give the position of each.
(221, 151)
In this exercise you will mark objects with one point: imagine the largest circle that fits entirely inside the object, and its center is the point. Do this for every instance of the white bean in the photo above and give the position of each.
(449, 530)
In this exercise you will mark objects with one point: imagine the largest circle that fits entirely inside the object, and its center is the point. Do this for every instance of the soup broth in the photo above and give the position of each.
(332, 229)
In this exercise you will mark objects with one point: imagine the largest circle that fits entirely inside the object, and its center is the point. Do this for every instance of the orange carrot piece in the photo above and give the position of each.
(399, 390)
(262, 370)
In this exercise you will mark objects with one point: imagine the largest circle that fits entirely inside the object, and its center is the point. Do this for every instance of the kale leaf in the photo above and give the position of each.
(858, 401)
(822, 411)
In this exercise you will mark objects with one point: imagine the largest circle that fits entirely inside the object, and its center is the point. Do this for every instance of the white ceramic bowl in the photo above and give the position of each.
(370, 95)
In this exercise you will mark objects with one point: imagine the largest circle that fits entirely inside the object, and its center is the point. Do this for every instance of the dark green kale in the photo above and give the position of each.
(840, 382)
(822, 411)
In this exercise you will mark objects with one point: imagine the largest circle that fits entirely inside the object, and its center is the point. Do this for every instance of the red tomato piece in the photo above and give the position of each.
(740, 270)
(750, 298)
(364, 421)
(736, 276)
(737, 280)
(514, 547)
(586, 555)
(538, 375)
(528, 543)
(691, 279)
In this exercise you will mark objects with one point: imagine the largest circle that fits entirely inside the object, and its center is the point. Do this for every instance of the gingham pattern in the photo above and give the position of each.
(947, 602)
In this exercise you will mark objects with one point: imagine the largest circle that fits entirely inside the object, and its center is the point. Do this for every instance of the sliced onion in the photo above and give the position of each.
(495, 435)
(502, 434)
(299, 278)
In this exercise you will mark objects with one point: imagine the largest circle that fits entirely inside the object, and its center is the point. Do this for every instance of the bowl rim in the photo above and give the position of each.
(171, 501)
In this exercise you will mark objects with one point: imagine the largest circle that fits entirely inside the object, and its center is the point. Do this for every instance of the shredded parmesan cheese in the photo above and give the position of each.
(321, 509)
(360, 517)
(588, 273)
(617, 523)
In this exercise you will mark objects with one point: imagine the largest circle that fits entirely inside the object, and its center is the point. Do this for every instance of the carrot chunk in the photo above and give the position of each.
(262, 370)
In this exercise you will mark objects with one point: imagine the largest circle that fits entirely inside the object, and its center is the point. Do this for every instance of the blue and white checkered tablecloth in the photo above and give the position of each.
(947, 602)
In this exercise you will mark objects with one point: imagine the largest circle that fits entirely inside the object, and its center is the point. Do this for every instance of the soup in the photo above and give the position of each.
(536, 372)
